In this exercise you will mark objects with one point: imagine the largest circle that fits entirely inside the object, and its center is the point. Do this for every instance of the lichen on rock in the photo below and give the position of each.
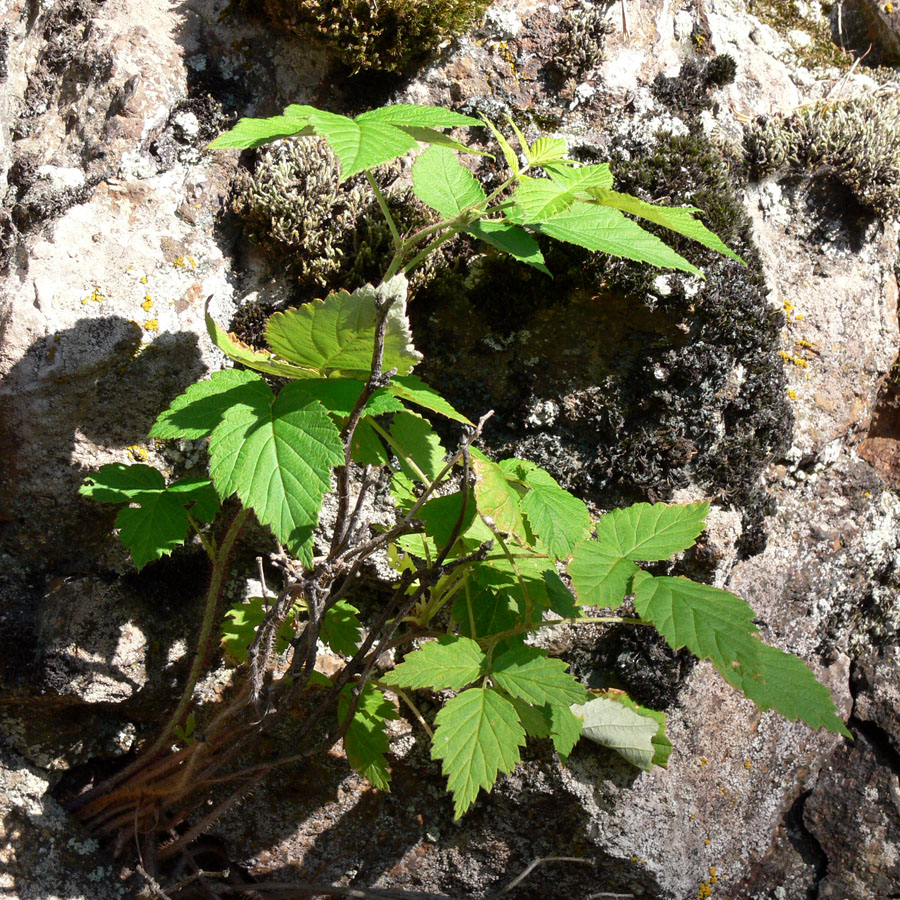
(856, 140)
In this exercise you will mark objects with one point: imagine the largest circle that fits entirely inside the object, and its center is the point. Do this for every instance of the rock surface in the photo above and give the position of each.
(115, 237)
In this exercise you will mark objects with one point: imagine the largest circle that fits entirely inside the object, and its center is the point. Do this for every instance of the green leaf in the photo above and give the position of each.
(441, 515)
(418, 116)
(239, 629)
(432, 136)
(196, 413)
(621, 729)
(249, 133)
(662, 746)
(449, 662)
(199, 495)
(535, 719)
(716, 625)
(341, 628)
(581, 178)
(560, 597)
(337, 334)
(154, 528)
(481, 611)
(529, 674)
(678, 219)
(260, 360)
(403, 491)
(362, 143)
(478, 736)
(118, 483)
(339, 396)
(600, 578)
(556, 517)
(539, 199)
(420, 443)
(276, 454)
(366, 741)
(497, 498)
(645, 532)
(565, 730)
(366, 447)
(602, 228)
(443, 183)
(158, 522)
(547, 150)
(412, 389)
(510, 239)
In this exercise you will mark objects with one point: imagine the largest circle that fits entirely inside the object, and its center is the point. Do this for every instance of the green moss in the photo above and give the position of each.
(328, 234)
(388, 35)
(784, 16)
(579, 49)
(858, 141)
(689, 91)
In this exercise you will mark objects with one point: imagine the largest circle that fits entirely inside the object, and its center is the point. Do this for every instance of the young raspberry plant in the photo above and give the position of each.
(486, 552)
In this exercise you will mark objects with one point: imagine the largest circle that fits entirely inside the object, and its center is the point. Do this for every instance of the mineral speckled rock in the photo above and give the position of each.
(102, 323)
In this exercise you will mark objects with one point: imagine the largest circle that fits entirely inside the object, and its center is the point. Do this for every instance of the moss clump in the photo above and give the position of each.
(580, 47)
(689, 91)
(857, 141)
(327, 233)
(386, 35)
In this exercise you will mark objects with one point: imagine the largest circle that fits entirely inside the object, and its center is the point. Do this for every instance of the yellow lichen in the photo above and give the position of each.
(705, 890)
(794, 360)
(151, 325)
(184, 262)
(747, 764)
(147, 304)
(137, 453)
(792, 394)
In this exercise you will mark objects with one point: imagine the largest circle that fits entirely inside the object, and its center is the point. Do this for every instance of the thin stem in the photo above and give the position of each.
(408, 701)
(593, 620)
(398, 450)
(207, 546)
(385, 210)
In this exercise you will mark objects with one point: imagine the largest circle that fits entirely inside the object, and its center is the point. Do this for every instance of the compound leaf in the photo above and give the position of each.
(276, 454)
(196, 413)
(716, 625)
(337, 334)
(362, 143)
(600, 578)
(678, 219)
(510, 239)
(157, 522)
(442, 182)
(508, 153)
(619, 728)
(559, 519)
(559, 597)
(339, 396)
(433, 136)
(366, 740)
(529, 674)
(478, 736)
(413, 390)
(603, 228)
(449, 662)
(645, 532)
(341, 628)
(441, 515)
